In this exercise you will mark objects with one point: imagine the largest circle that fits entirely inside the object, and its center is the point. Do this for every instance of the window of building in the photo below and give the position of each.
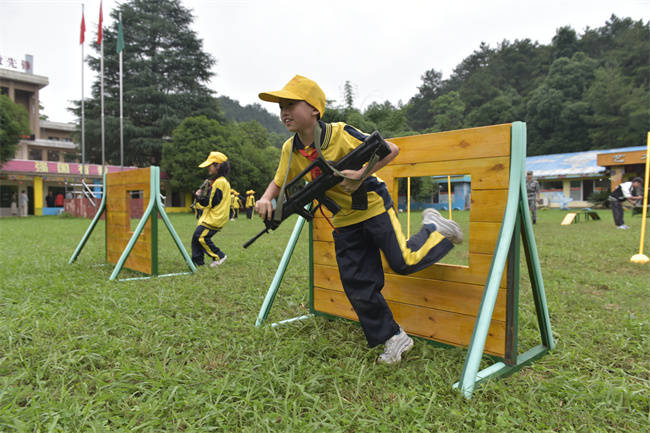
(7, 194)
(575, 190)
(69, 157)
(4, 91)
(53, 138)
(52, 155)
(551, 185)
(35, 154)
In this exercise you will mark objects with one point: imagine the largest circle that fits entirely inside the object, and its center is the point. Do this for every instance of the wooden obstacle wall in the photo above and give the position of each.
(441, 302)
(118, 219)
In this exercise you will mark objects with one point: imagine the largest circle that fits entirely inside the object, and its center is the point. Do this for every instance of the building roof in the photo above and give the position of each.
(574, 164)
(24, 77)
(59, 126)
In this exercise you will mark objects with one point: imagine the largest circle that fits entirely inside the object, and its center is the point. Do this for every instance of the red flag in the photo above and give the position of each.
(82, 36)
(101, 18)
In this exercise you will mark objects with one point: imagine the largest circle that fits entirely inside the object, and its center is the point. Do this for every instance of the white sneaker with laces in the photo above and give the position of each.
(448, 228)
(216, 263)
(396, 346)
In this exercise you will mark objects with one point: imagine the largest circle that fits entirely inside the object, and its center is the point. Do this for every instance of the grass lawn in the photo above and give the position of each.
(81, 354)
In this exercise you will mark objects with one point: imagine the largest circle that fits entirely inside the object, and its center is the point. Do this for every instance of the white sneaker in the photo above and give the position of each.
(396, 345)
(216, 263)
(448, 228)
(622, 227)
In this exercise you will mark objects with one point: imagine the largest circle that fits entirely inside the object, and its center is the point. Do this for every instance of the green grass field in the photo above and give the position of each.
(81, 354)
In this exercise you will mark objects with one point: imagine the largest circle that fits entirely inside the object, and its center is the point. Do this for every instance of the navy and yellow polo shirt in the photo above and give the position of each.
(216, 207)
(343, 140)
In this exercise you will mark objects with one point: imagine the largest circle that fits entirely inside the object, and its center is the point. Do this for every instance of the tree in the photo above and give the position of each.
(564, 43)
(448, 112)
(417, 110)
(252, 161)
(348, 95)
(165, 77)
(14, 122)
(233, 111)
(620, 110)
(504, 108)
(390, 121)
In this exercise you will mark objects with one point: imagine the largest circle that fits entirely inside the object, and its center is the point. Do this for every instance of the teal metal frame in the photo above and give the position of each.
(516, 224)
(154, 208)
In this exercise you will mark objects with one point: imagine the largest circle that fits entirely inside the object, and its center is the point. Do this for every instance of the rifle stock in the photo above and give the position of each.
(300, 195)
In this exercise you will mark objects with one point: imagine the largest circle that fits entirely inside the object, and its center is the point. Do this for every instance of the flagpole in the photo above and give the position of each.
(101, 67)
(121, 112)
(83, 127)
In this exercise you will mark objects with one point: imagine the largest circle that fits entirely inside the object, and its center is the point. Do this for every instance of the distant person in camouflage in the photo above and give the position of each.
(532, 191)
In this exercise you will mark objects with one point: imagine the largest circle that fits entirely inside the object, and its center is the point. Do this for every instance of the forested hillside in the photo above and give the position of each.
(582, 91)
(234, 111)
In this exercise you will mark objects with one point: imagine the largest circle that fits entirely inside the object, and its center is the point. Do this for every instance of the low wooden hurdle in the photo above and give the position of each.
(138, 249)
(474, 306)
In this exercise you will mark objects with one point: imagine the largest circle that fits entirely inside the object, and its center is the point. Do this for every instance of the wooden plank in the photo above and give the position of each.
(488, 205)
(568, 219)
(488, 141)
(475, 273)
(442, 295)
(443, 326)
(486, 173)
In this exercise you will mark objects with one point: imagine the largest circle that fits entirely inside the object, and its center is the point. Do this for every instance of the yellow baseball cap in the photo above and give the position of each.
(213, 157)
(299, 89)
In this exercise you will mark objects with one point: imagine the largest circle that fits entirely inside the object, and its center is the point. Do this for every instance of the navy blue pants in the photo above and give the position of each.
(362, 274)
(202, 244)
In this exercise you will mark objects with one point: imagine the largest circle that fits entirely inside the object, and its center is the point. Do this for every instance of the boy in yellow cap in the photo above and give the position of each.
(214, 206)
(359, 234)
(250, 203)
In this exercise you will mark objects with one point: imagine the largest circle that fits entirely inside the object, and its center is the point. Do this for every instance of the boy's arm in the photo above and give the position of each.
(351, 185)
(263, 206)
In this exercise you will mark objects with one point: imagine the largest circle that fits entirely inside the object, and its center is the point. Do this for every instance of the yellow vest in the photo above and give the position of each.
(216, 217)
(344, 139)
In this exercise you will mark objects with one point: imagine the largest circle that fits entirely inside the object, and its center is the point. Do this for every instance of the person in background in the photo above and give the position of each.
(236, 204)
(49, 199)
(58, 200)
(532, 191)
(14, 204)
(625, 191)
(24, 203)
(250, 203)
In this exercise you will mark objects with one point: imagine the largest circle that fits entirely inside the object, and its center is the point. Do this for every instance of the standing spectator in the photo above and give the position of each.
(532, 191)
(24, 203)
(14, 204)
(58, 201)
(625, 191)
(49, 200)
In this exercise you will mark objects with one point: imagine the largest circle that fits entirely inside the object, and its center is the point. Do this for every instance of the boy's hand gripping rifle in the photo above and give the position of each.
(298, 195)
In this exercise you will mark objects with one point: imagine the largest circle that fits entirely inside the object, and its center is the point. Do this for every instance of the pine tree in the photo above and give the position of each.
(164, 80)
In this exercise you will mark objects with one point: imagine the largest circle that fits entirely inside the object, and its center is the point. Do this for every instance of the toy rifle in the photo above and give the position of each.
(296, 195)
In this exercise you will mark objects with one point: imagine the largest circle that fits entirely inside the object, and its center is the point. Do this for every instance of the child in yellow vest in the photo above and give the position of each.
(214, 207)
(359, 235)
(250, 203)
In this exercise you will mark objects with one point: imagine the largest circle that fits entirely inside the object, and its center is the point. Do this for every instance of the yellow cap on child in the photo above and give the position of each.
(299, 89)
(213, 157)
